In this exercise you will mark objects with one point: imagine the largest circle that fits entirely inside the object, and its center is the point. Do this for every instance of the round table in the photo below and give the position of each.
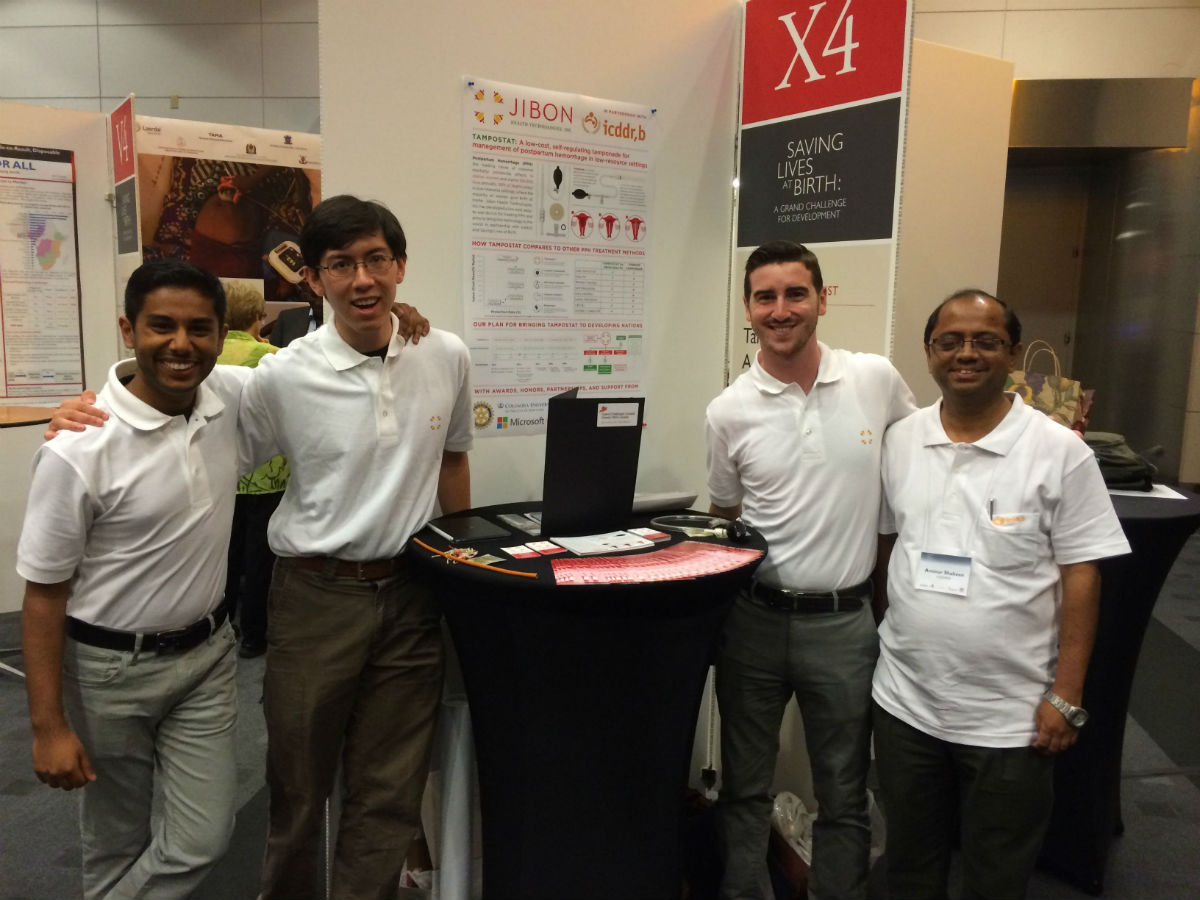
(1087, 778)
(584, 702)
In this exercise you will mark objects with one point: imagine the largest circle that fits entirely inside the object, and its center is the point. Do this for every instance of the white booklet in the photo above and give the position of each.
(612, 542)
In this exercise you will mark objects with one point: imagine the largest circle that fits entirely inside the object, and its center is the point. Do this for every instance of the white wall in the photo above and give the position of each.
(952, 208)
(85, 134)
(230, 61)
(393, 132)
(1071, 38)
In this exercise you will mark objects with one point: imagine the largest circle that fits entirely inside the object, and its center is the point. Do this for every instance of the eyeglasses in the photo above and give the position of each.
(952, 343)
(344, 269)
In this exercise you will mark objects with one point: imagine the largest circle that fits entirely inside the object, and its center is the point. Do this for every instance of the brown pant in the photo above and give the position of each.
(354, 671)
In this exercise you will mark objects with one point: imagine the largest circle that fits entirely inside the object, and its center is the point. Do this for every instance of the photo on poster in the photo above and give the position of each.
(236, 219)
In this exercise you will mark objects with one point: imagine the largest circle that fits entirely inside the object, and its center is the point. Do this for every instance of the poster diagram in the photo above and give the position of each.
(557, 223)
(39, 280)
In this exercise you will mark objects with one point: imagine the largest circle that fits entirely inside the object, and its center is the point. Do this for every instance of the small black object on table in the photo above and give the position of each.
(583, 704)
(1087, 778)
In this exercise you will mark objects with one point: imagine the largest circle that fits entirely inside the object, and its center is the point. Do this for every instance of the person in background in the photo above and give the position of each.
(298, 321)
(998, 515)
(794, 445)
(248, 575)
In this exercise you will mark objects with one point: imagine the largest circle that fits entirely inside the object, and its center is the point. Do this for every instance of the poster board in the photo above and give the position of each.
(821, 135)
(556, 267)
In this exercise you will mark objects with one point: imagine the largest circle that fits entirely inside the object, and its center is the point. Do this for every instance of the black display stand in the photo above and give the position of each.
(583, 702)
(1087, 778)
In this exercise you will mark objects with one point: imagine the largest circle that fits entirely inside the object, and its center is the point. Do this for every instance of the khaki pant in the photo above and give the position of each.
(154, 720)
(354, 673)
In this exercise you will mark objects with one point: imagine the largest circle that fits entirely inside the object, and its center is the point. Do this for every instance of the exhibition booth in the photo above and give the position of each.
(582, 219)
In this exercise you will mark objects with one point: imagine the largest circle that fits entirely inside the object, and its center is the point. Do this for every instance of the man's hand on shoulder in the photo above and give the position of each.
(76, 414)
(413, 325)
(1055, 733)
(60, 760)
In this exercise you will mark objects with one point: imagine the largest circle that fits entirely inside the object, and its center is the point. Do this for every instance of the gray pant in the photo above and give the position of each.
(826, 660)
(147, 719)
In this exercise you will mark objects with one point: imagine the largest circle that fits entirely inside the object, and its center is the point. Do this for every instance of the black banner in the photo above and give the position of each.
(820, 178)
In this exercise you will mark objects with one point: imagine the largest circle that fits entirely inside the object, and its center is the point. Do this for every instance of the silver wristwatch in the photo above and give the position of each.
(1076, 716)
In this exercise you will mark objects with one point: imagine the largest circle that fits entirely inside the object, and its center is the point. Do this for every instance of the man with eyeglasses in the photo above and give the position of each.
(992, 597)
(375, 430)
(794, 445)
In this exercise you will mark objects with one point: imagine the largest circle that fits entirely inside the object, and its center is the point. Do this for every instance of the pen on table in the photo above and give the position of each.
(437, 530)
(992, 508)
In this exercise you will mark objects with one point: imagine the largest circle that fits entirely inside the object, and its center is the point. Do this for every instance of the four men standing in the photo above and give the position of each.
(1000, 514)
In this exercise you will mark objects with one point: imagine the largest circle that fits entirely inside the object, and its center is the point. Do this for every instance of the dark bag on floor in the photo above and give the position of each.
(1121, 467)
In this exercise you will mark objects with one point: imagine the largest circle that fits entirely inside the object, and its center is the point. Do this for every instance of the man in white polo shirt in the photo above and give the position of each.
(794, 446)
(130, 658)
(993, 595)
(375, 430)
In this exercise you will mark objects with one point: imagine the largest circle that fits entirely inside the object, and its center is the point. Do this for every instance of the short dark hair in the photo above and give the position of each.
(1011, 323)
(781, 252)
(343, 219)
(171, 272)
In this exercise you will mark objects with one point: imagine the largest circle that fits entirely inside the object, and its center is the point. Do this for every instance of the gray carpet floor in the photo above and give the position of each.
(1158, 856)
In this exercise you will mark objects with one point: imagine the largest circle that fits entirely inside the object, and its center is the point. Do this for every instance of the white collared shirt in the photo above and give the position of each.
(363, 437)
(138, 511)
(1021, 501)
(805, 468)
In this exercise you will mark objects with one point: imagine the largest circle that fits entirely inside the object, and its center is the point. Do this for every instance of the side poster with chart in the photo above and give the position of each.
(39, 276)
(557, 221)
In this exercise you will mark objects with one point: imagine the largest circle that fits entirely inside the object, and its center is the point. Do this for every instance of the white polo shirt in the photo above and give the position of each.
(363, 437)
(1021, 501)
(805, 468)
(139, 511)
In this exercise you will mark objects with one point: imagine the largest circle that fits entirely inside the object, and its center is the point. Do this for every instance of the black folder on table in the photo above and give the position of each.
(592, 446)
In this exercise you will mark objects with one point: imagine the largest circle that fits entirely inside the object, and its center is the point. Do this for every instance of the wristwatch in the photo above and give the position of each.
(1076, 716)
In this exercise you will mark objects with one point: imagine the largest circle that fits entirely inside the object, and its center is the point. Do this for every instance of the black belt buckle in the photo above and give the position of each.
(177, 640)
(171, 641)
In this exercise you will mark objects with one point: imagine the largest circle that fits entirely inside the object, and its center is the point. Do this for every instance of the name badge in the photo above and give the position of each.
(944, 574)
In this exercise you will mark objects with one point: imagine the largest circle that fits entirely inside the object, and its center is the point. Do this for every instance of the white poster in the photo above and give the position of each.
(556, 270)
(39, 276)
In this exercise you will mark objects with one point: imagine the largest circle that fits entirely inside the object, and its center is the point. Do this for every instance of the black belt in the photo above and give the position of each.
(368, 570)
(845, 600)
(175, 641)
